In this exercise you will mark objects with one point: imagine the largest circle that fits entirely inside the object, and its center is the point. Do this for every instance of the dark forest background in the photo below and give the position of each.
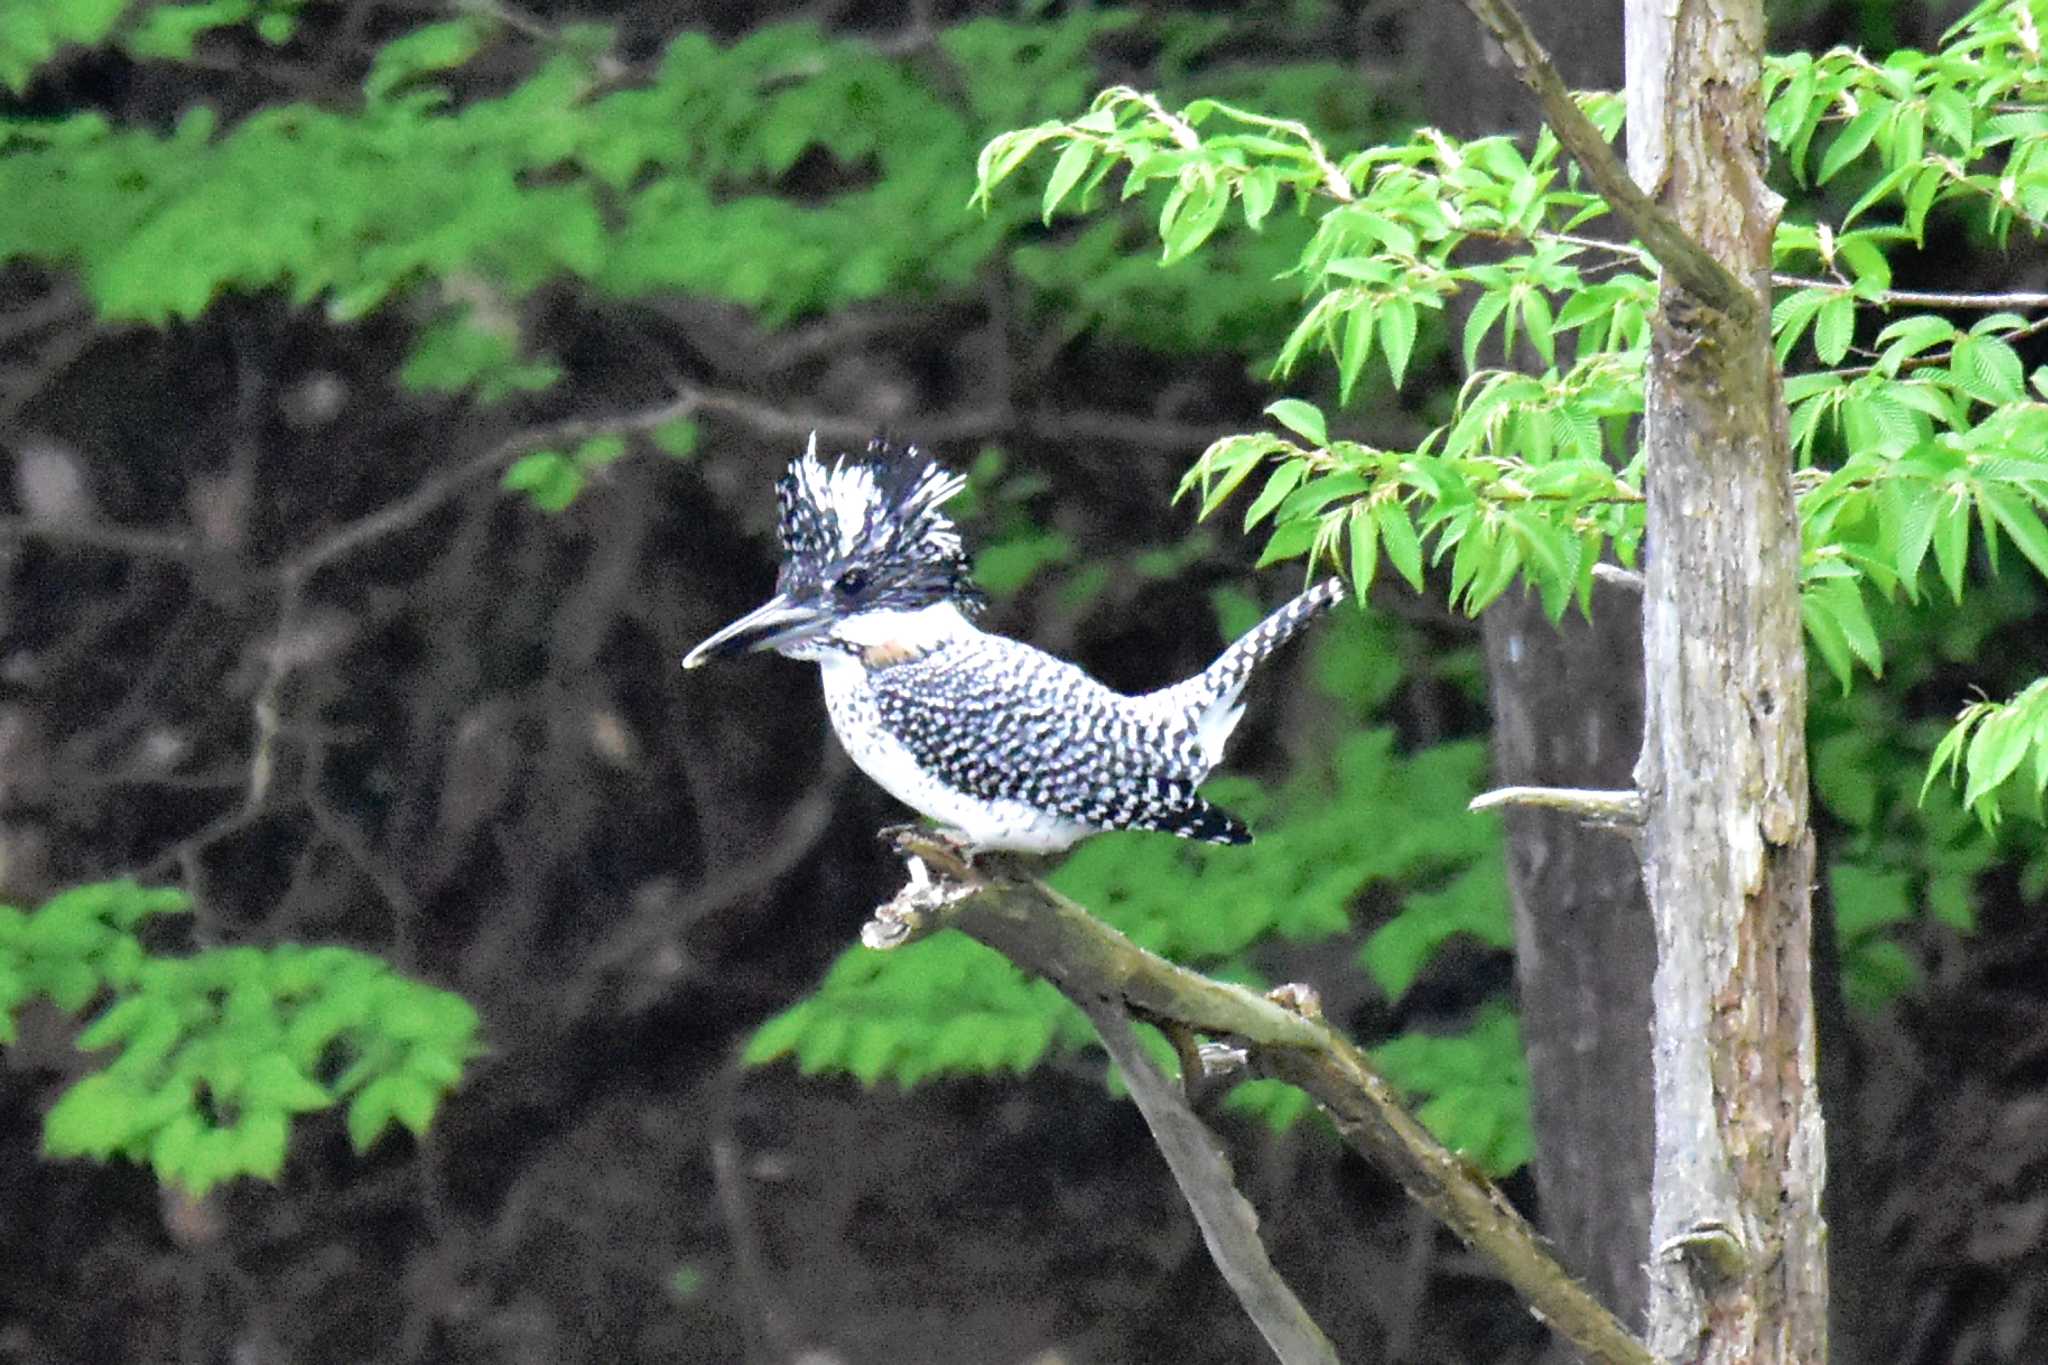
(256, 433)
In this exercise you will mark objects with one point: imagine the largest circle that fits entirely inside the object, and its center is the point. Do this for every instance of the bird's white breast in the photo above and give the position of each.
(988, 824)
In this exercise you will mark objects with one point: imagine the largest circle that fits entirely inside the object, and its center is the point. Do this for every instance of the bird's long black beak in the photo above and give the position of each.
(781, 620)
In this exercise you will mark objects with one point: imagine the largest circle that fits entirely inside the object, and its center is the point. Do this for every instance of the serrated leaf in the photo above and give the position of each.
(1481, 319)
(1397, 536)
(1854, 137)
(1952, 542)
(1357, 348)
(1397, 335)
(2022, 521)
(1364, 549)
(1817, 614)
(1834, 327)
(1536, 317)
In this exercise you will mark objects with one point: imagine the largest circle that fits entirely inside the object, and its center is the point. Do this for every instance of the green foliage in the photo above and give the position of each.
(214, 1053)
(1936, 429)
(2002, 746)
(34, 31)
(1474, 1088)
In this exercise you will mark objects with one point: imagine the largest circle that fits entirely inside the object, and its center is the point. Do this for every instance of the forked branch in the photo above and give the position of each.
(1001, 904)
(1691, 264)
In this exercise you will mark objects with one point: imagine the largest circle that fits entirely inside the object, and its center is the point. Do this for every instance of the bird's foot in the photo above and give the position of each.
(950, 851)
(927, 901)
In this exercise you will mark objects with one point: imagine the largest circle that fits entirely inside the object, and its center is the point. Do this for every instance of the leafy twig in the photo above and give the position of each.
(1693, 266)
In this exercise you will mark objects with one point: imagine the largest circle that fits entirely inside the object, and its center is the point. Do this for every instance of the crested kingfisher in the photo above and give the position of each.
(1008, 746)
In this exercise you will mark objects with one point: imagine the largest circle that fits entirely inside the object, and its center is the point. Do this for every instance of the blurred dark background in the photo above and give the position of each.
(257, 530)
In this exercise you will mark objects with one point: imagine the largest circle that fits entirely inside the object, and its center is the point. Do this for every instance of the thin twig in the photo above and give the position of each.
(135, 542)
(1615, 576)
(422, 501)
(996, 903)
(1230, 1226)
(1691, 264)
(1917, 298)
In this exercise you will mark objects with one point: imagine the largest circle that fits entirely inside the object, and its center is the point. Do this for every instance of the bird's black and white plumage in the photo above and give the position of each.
(1004, 743)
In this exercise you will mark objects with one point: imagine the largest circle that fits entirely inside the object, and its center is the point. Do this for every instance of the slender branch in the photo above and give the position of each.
(1230, 1226)
(423, 500)
(997, 903)
(1691, 264)
(136, 542)
(1918, 298)
(1604, 807)
(1615, 576)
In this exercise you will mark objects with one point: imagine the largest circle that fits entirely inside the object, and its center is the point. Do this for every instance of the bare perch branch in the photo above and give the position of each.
(1230, 1226)
(1616, 576)
(1689, 263)
(1606, 807)
(1043, 932)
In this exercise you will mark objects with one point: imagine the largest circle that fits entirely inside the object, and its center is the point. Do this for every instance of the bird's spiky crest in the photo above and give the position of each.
(881, 510)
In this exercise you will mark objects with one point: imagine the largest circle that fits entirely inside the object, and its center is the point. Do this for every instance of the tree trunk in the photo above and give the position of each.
(1737, 1269)
(1567, 711)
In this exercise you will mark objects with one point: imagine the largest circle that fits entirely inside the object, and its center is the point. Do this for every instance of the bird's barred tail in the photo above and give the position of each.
(1225, 677)
(1208, 701)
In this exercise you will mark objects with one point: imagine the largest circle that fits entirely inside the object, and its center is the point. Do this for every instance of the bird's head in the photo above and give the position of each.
(866, 553)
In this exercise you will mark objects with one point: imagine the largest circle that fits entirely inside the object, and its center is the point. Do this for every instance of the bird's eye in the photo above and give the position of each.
(853, 582)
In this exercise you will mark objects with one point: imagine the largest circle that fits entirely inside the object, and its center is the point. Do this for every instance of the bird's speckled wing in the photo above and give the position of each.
(998, 719)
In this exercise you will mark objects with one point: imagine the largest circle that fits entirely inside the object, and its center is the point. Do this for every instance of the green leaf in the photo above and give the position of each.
(676, 438)
(431, 47)
(1397, 535)
(1278, 486)
(1258, 189)
(1364, 548)
(2020, 520)
(371, 1112)
(1073, 163)
(599, 451)
(1853, 138)
(1397, 335)
(1952, 542)
(1834, 328)
(1987, 369)
(1206, 201)
(1303, 419)
(1357, 349)
(275, 1083)
(1484, 313)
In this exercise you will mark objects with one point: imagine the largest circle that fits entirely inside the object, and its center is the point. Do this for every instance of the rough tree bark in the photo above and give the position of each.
(1737, 1269)
(1737, 1266)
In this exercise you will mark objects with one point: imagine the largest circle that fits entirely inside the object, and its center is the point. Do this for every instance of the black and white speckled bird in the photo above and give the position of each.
(1007, 745)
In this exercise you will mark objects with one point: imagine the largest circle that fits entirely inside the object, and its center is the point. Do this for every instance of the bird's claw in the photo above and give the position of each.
(922, 841)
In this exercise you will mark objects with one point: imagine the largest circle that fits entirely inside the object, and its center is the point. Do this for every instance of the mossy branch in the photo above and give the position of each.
(998, 902)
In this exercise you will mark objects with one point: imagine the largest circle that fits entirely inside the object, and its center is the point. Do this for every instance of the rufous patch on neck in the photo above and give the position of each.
(885, 653)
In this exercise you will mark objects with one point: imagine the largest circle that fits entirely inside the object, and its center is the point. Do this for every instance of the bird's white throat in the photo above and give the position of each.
(912, 631)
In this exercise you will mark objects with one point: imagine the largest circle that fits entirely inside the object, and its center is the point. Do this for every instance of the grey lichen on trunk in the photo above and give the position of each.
(1738, 1255)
